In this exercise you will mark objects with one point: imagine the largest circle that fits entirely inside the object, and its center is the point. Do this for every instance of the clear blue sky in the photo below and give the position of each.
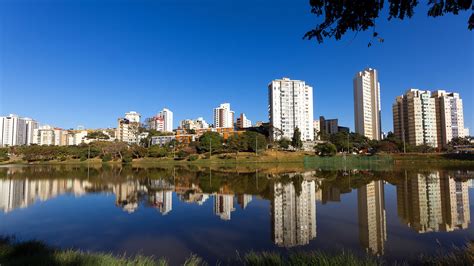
(70, 63)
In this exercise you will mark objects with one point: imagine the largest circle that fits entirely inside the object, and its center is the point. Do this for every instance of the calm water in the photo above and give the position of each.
(175, 212)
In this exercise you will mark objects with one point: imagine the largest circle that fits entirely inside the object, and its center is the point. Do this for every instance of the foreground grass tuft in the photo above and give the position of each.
(37, 253)
(306, 258)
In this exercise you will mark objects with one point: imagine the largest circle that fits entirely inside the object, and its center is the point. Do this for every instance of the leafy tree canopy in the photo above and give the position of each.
(340, 16)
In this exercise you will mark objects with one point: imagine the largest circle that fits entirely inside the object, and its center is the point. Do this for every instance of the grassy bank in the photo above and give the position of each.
(302, 159)
(37, 253)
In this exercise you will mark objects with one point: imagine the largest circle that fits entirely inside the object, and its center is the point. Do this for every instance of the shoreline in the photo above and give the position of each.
(275, 158)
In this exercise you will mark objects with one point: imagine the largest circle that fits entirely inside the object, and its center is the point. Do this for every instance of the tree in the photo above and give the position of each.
(341, 140)
(296, 140)
(97, 135)
(340, 16)
(325, 149)
(284, 143)
(209, 140)
(254, 141)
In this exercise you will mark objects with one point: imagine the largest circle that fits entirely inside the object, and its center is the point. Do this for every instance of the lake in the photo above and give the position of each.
(219, 213)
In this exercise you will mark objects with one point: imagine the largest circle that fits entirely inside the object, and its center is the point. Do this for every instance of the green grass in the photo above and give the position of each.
(37, 253)
(307, 258)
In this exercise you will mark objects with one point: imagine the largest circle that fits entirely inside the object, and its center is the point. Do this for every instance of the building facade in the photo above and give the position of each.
(223, 116)
(367, 104)
(243, 122)
(449, 116)
(127, 128)
(13, 131)
(167, 117)
(290, 106)
(31, 125)
(414, 118)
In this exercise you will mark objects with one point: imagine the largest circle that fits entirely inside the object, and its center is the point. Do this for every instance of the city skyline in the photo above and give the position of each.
(43, 66)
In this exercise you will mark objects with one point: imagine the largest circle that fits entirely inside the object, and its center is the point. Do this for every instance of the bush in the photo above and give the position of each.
(83, 158)
(193, 157)
(4, 155)
(325, 149)
(106, 158)
(284, 143)
(156, 151)
(181, 155)
(127, 158)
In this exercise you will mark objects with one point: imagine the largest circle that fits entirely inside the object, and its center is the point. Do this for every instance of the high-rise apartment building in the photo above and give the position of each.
(243, 122)
(223, 116)
(13, 131)
(31, 125)
(127, 129)
(167, 117)
(414, 118)
(449, 116)
(367, 104)
(290, 106)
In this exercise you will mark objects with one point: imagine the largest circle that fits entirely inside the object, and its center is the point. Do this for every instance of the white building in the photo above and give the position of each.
(31, 125)
(290, 107)
(449, 116)
(133, 117)
(190, 124)
(223, 116)
(162, 122)
(243, 122)
(367, 104)
(127, 129)
(167, 117)
(76, 137)
(48, 135)
(13, 131)
(414, 118)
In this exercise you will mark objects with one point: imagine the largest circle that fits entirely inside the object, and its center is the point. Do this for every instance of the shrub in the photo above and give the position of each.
(181, 155)
(106, 158)
(4, 154)
(156, 151)
(325, 149)
(193, 157)
(127, 158)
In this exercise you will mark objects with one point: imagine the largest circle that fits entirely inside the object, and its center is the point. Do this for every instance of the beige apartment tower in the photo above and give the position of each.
(367, 104)
(414, 118)
(449, 116)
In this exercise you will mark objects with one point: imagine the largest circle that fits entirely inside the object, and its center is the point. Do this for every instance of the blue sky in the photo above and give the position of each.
(70, 63)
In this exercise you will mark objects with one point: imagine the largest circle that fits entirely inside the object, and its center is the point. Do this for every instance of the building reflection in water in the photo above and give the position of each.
(223, 205)
(433, 201)
(293, 214)
(426, 202)
(372, 219)
(243, 200)
(20, 193)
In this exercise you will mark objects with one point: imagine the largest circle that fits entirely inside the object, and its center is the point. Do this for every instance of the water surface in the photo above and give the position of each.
(175, 212)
